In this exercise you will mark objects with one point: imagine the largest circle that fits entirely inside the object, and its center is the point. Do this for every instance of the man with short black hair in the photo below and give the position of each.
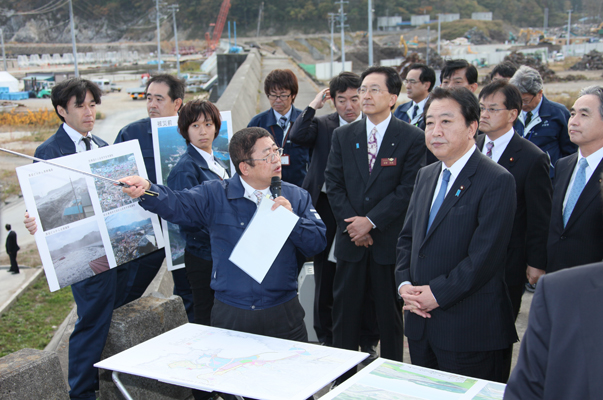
(419, 82)
(75, 101)
(165, 96)
(459, 73)
(225, 208)
(450, 256)
(280, 86)
(500, 103)
(542, 121)
(504, 70)
(370, 176)
(12, 248)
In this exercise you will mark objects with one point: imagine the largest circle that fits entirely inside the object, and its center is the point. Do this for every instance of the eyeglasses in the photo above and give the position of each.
(279, 96)
(271, 158)
(373, 90)
(410, 82)
(524, 102)
(491, 110)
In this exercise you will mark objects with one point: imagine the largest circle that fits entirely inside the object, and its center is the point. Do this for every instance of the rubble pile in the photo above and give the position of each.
(435, 61)
(477, 36)
(590, 61)
(548, 75)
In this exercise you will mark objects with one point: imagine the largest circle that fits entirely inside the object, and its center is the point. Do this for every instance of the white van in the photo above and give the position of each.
(103, 84)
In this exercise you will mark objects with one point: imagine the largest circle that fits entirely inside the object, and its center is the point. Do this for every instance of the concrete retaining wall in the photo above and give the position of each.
(241, 95)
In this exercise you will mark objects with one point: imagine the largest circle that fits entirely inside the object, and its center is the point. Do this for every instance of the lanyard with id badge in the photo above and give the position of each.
(285, 162)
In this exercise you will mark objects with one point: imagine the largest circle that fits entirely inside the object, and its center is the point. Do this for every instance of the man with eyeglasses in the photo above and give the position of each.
(500, 103)
(370, 176)
(542, 122)
(225, 208)
(419, 82)
(280, 86)
(316, 133)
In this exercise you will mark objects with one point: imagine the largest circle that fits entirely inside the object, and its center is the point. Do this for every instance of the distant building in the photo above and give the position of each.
(449, 17)
(389, 23)
(482, 16)
(416, 20)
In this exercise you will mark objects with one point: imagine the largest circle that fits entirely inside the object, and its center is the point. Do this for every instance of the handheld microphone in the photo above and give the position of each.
(275, 187)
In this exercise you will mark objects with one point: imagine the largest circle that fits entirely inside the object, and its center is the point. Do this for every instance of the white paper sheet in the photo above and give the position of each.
(263, 239)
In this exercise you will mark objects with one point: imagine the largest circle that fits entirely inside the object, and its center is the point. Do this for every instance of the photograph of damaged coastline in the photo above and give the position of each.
(131, 234)
(77, 253)
(110, 195)
(61, 199)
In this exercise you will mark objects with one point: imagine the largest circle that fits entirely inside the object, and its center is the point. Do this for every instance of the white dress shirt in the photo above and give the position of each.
(343, 122)
(593, 162)
(80, 145)
(212, 164)
(500, 144)
(381, 128)
(250, 192)
(455, 169)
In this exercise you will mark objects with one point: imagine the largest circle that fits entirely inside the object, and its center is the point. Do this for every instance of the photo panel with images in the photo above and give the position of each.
(109, 194)
(77, 252)
(131, 233)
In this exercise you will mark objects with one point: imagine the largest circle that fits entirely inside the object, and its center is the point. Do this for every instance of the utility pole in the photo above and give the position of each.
(427, 50)
(370, 33)
(77, 74)
(173, 8)
(257, 34)
(342, 22)
(439, 30)
(158, 39)
(569, 24)
(3, 53)
(546, 20)
(332, 17)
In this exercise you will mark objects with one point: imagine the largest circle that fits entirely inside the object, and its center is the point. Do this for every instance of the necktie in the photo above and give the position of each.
(259, 195)
(87, 141)
(440, 198)
(414, 111)
(372, 149)
(489, 146)
(579, 183)
(528, 119)
(282, 122)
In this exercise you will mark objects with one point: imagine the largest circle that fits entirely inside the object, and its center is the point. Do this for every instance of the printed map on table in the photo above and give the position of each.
(390, 380)
(260, 367)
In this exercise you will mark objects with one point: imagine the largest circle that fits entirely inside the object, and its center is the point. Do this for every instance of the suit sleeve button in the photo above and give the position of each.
(562, 237)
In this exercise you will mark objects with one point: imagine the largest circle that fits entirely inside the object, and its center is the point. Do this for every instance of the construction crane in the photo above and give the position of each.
(213, 40)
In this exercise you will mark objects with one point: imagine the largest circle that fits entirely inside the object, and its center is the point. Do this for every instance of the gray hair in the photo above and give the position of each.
(527, 80)
(595, 91)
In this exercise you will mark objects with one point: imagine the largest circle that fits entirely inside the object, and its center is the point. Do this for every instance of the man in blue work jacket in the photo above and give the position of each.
(226, 208)
(165, 94)
(542, 122)
(281, 89)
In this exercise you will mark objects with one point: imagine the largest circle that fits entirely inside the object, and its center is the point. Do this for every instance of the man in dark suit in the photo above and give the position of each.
(542, 122)
(11, 249)
(75, 101)
(459, 73)
(561, 351)
(419, 82)
(576, 230)
(500, 103)
(369, 176)
(315, 133)
(451, 251)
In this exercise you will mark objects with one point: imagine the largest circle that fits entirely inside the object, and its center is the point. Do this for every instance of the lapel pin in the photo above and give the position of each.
(357, 145)
(511, 159)
(392, 144)
(458, 192)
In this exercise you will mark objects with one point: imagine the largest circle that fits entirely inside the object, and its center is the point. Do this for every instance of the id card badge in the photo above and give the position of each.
(285, 160)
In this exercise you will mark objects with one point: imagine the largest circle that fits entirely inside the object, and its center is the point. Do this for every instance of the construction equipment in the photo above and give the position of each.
(403, 44)
(213, 40)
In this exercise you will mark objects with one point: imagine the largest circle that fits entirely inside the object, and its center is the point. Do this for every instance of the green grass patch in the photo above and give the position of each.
(32, 321)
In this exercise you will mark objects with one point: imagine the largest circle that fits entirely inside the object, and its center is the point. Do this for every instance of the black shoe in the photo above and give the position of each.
(14, 272)
(530, 288)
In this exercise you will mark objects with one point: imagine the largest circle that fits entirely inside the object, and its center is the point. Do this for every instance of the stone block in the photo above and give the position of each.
(132, 324)
(32, 374)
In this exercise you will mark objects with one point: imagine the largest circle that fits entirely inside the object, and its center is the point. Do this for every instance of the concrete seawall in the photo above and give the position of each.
(241, 95)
